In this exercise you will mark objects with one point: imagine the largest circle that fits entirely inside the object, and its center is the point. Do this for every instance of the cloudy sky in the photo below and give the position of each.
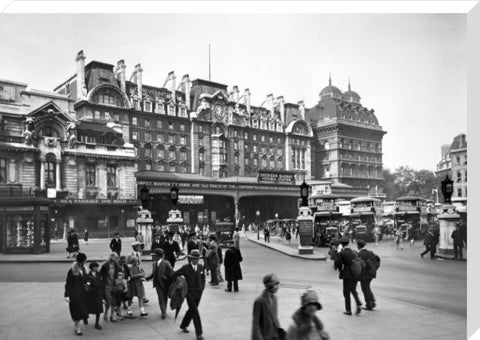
(409, 68)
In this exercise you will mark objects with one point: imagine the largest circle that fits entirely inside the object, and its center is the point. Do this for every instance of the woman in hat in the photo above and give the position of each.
(306, 325)
(94, 289)
(75, 292)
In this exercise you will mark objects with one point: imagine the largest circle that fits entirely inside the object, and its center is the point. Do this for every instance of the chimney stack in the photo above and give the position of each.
(270, 103)
(236, 94)
(187, 84)
(171, 79)
(120, 74)
(80, 59)
(138, 74)
(247, 100)
(301, 108)
(281, 103)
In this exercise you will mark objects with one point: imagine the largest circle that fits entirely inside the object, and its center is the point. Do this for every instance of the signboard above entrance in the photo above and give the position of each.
(284, 177)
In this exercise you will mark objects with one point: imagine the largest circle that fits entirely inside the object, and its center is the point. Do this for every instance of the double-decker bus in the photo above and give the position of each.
(411, 211)
(326, 218)
(366, 214)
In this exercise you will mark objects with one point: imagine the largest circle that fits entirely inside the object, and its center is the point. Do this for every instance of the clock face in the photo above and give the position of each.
(218, 111)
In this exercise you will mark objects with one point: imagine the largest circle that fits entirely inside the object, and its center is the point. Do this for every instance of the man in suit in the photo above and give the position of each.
(367, 275)
(161, 273)
(171, 250)
(265, 325)
(194, 274)
(116, 244)
(343, 263)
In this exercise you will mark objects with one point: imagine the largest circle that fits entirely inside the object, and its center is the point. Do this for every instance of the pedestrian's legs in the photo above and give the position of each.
(427, 249)
(161, 301)
(346, 295)
(455, 250)
(229, 285)
(192, 313)
(219, 274)
(433, 249)
(460, 251)
(235, 285)
(214, 276)
(353, 290)
(367, 292)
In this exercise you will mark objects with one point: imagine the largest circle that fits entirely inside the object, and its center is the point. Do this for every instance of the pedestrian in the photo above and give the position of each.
(171, 250)
(75, 292)
(116, 244)
(368, 274)
(288, 235)
(135, 234)
(212, 260)
(458, 240)
(266, 234)
(236, 237)
(195, 276)
(122, 262)
(85, 236)
(233, 271)
(109, 272)
(161, 273)
(136, 251)
(120, 289)
(265, 324)
(220, 261)
(429, 242)
(306, 325)
(333, 252)
(72, 243)
(135, 286)
(139, 237)
(399, 238)
(193, 242)
(56, 233)
(94, 294)
(155, 244)
(343, 265)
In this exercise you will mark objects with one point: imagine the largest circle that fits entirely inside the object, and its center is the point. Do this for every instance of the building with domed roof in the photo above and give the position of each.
(347, 145)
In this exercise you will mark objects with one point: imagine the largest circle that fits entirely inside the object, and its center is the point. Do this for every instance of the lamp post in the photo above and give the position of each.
(304, 194)
(144, 196)
(447, 190)
(258, 224)
(174, 194)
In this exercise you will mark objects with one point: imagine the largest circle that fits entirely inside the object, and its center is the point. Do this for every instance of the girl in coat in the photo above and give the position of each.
(75, 292)
(306, 325)
(135, 286)
(94, 290)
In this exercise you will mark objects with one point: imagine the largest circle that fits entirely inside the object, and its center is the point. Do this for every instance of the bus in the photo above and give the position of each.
(224, 232)
(366, 214)
(411, 210)
(326, 218)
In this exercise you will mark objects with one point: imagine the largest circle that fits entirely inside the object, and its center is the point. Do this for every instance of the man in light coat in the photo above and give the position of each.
(265, 324)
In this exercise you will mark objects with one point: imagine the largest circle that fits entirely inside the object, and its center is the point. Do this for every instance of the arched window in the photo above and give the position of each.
(48, 131)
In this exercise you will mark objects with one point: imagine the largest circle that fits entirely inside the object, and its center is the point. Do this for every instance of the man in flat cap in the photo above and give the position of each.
(343, 264)
(265, 325)
(372, 262)
(161, 273)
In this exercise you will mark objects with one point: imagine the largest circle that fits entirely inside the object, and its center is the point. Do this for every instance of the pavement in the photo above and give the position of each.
(36, 310)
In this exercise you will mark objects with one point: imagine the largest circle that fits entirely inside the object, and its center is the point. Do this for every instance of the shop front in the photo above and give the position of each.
(24, 226)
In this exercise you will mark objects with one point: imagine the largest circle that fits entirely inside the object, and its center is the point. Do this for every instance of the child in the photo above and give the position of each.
(135, 286)
(119, 290)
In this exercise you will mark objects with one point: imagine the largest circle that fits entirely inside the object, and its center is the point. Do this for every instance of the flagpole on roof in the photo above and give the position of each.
(209, 64)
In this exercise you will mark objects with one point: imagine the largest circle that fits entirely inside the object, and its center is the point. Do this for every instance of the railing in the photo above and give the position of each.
(11, 139)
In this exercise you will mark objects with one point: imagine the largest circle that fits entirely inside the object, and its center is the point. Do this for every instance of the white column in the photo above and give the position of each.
(42, 175)
(192, 147)
(58, 186)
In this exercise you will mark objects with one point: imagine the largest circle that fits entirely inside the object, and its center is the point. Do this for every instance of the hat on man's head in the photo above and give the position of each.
(344, 240)
(158, 251)
(310, 297)
(361, 243)
(136, 243)
(195, 254)
(270, 280)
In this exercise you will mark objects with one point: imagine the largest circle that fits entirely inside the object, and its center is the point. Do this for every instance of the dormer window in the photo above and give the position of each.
(148, 106)
(183, 111)
(171, 110)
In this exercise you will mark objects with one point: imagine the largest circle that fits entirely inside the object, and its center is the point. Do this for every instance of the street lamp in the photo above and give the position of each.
(447, 190)
(174, 194)
(144, 196)
(258, 224)
(304, 194)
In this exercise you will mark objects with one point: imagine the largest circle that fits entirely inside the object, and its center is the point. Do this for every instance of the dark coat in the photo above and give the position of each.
(233, 271)
(171, 252)
(343, 263)
(116, 245)
(72, 243)
(457, 237)
(104, 271)
(85, 236)
(366, 255)
(193, 245)
(195, 280)
(75, 290)
(265, 318)
(95, 295)
(161, 275)
(427, 241)
(156, 245)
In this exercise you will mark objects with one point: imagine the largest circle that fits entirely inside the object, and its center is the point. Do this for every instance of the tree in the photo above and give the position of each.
(405, 181)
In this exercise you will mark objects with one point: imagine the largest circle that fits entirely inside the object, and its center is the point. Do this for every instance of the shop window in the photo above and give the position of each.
(111, 176)
(3, 170)
(20, 232)
(90, 176)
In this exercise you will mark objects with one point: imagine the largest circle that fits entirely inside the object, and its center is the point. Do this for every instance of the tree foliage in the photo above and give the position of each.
(405, 181)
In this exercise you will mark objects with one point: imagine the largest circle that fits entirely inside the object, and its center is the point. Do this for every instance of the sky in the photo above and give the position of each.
(410, 68)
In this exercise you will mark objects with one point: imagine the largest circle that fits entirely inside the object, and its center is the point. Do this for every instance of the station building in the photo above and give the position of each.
(231, 159)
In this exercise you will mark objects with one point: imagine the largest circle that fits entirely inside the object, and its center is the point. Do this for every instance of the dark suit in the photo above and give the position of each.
(343, 263)
(116, 245)
(265, 321)
(172, 250)
(161, 281)
(367, 278)
(196, 285)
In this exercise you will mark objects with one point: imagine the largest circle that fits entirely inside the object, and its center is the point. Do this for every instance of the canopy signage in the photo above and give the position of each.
(97, 201)
(276, 177)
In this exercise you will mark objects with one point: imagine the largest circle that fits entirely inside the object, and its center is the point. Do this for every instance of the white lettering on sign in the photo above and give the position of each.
(362, 209)
(190, 199)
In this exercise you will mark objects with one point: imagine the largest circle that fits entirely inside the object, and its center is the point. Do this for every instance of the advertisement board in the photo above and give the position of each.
(305, 231)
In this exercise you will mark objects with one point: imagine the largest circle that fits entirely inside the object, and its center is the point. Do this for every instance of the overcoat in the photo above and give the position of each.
(265, 321)
(75, 290)
(195, 280)
(95, 294)
(343, 263)
(233, 271)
